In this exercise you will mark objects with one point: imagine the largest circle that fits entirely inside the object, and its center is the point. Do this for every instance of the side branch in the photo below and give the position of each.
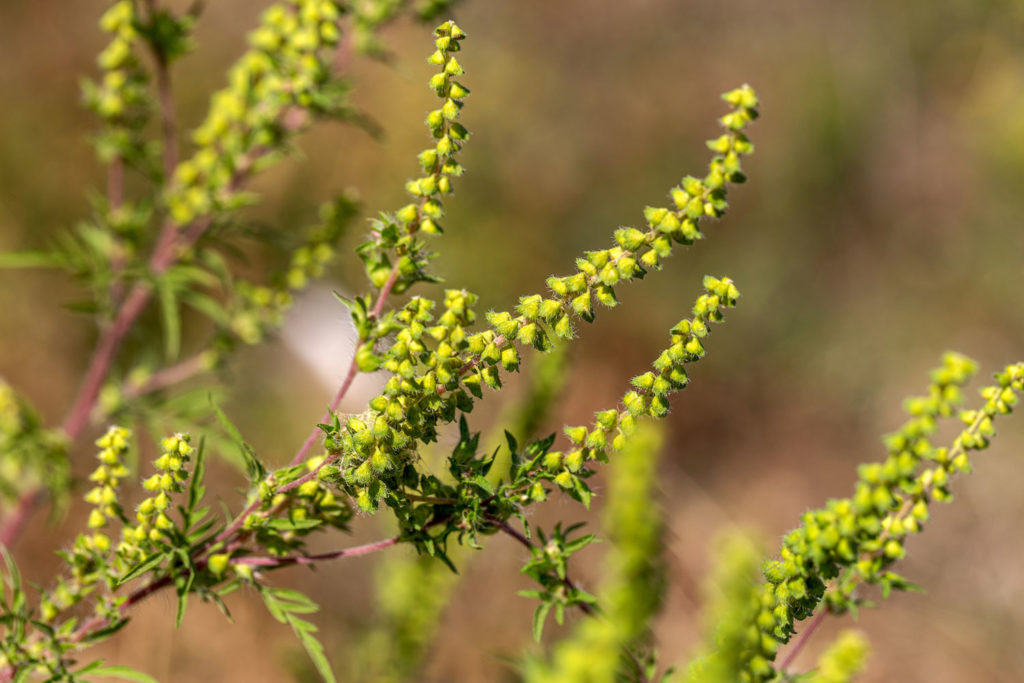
(156, 586)
(527, 543)
(169, 376)
(350, 375)
(278, 562)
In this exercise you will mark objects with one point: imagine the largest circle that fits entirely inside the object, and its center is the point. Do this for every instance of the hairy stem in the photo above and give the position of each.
(277, 562)
(350, 375)
(235, 527)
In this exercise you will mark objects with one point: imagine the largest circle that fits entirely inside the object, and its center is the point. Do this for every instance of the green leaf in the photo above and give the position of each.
(215, 261)
(171, 318)
(540, 615)
(183, 586)
(141, 568)
(300, 602)
(13, 582)
(283, 604)
(192, 275)
(482, 482)
(581, 492)
(294, 525)
(123, 673)
(314, 648)
(216, 599)
(581, 542)
(106, 632)
(254, 468)
(30, 259)
(342, 298)
(206, 305)
(199, 526)
(195, 484)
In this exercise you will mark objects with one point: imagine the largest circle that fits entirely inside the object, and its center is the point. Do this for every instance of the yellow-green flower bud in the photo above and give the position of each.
(218, 563)
(96, 520)
(243, 571)
(552, 460)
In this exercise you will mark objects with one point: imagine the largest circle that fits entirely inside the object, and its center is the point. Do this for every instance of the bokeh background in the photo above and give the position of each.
(881, 226)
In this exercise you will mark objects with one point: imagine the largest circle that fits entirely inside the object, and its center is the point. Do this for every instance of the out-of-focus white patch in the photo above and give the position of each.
(319, 331)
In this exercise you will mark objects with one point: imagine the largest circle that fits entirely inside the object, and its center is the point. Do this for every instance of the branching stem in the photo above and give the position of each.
(524, 541)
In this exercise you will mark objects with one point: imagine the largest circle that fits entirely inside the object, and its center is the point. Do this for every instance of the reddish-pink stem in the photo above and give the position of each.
(102, 358)
(134, 598)
(169, 243)
(169, 376)
(802, 640)
(110, 341)
(350, 376)
(307, 445)
(16, 520)
(115, 184)
(252, 507)
(274, 562)
(385, 291)
(144, 592)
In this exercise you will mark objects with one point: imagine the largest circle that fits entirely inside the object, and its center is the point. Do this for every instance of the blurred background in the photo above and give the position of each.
(880, 227)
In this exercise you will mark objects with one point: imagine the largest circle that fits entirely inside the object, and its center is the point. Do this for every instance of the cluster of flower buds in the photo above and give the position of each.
(103, 495)
(317, 501)
(121, 98)
(427, 355)
(394, 243)
(153, 523)
(649, 395)
(425, 360)
(636, 250)
(30, 456)
(865, 534)
(91, 558)
(437, 368)
(271, 89)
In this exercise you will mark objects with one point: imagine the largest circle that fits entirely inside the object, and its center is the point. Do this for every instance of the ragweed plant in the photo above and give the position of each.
(168, 244)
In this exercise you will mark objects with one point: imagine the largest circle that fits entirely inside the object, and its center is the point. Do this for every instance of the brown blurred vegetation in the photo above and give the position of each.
(880, 227)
